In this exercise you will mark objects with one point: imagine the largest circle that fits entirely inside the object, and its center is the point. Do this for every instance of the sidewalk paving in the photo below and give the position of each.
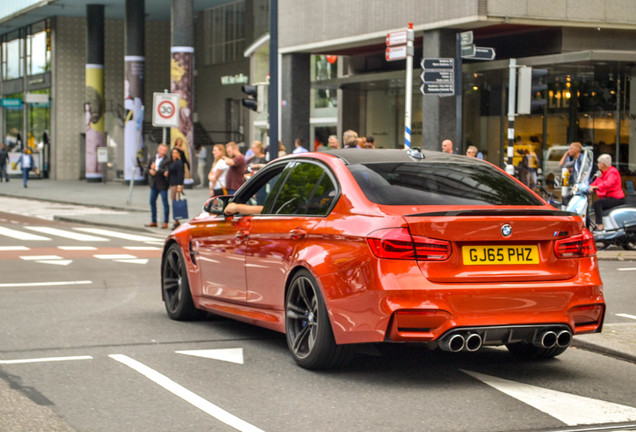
(617, 340)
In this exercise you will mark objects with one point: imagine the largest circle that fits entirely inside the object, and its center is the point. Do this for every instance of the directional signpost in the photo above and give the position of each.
(480, 53)
(438, 77)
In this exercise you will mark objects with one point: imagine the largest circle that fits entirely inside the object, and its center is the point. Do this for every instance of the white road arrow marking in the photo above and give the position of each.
(56, 262)
(570, 409)
(185, 394)
(232, 355)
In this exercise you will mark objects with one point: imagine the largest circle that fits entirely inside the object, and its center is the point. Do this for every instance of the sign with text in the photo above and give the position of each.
(438, 77)
(165, 110)
(396, 53)
(397, 38)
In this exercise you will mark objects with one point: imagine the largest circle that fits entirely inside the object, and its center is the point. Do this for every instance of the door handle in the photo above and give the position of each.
(297, 234)
(240, 235)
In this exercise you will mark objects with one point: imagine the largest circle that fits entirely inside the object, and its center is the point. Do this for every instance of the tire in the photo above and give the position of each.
(530, 352)
(175, 287)
(630, 241)
(309, 335)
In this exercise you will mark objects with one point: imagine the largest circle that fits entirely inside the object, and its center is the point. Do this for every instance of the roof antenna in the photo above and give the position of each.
(415, 153)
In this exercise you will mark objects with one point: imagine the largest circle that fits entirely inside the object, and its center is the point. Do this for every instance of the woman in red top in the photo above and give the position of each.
(608, 188)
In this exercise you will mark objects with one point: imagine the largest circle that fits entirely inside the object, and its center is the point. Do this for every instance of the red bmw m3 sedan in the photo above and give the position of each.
(358, 246)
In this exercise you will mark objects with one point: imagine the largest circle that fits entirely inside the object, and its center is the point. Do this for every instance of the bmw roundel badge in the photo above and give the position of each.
(506, 230)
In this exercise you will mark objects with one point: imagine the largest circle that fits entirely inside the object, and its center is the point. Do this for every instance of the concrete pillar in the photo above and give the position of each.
(182, 78)
(135, 62)
(94, 94)
(438, 113)
(296, 93)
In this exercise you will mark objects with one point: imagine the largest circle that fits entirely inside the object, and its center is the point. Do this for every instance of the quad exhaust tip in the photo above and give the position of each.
(550, 339)
(472, 342)
(457, 342)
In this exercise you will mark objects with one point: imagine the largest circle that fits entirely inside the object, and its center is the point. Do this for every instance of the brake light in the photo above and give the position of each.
(578, 246)
(398, 243)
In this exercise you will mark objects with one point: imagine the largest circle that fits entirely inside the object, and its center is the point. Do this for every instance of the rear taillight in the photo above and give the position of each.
(578, 246)
(398, 243)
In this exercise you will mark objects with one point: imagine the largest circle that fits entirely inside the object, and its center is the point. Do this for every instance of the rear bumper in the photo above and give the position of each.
(428, 311)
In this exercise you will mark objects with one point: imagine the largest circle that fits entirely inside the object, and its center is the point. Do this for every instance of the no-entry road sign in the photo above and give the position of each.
(165, 110)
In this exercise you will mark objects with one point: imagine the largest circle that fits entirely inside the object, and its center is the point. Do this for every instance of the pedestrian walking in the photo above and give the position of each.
(4, 160)
(27, 163)
(158, 181)
(176, 175)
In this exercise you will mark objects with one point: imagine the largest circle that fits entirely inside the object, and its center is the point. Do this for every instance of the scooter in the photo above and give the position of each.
(619, 223)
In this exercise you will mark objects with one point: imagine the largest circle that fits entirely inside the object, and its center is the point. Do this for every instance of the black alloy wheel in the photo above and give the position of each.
(176, 289)
(309, 335)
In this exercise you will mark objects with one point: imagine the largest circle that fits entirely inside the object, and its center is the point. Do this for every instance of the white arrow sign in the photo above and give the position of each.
(232, 355)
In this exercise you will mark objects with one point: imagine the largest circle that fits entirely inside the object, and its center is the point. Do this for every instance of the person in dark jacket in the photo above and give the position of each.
(176, 174)
(158, 180)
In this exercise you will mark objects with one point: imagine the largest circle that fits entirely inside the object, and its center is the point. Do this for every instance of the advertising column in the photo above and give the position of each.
(134, 89)
(182, 79)
(94, 96)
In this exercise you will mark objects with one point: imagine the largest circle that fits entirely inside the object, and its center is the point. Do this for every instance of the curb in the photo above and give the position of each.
(599, 349)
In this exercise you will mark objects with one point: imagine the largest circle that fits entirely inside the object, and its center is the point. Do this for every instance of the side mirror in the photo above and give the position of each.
(216, 205)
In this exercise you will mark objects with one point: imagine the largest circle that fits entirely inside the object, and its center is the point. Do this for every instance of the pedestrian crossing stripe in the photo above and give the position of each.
(21, 235)
(117, 234)
(13, 248)
(66, 234)
(85, 235)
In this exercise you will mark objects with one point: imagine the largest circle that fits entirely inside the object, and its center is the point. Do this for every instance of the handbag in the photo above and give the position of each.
(180, 208)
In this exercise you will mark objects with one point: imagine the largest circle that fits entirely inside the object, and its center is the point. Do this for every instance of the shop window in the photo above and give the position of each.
(12, 59)
(39, 49)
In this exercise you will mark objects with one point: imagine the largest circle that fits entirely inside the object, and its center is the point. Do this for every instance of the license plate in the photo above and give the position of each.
(490, 255)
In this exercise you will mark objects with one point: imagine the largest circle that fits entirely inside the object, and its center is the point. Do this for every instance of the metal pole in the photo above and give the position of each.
(272, 99)
(459, 92)
(512, 102)
(408, 91)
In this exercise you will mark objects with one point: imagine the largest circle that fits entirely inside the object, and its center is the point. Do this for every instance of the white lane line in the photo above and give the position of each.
(77, 248)
(116, 234)
(56, 262)
(627, 269)
(114, 256)
(40, 257)
(45, 359)
(41, 284)
(141, 248)
(185, 394)
(66, 234)
(13, 248)
(570, 409)
(626, 316)
(20, 235)
(133, 261)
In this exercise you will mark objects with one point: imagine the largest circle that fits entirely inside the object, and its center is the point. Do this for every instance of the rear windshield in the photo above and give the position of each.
(439, 183)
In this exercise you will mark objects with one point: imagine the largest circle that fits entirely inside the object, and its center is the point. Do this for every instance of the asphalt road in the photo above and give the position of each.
(86, 345)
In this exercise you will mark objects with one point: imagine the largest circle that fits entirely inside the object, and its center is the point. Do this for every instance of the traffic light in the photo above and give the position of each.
(531, 89)
(255, 97)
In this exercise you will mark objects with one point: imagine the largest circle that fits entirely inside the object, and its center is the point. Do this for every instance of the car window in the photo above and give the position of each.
(263, 187)
(308, 190)
(439, 183)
